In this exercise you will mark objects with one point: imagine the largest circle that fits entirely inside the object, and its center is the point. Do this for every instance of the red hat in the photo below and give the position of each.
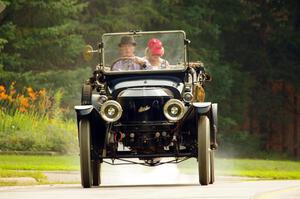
(155, 47)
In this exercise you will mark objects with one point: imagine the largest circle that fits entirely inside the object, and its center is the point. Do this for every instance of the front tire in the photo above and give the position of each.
(212, 167)
(96, 173)
(204, 150)
(85, 153)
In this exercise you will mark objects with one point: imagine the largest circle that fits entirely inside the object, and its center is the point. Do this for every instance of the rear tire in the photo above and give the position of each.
(86, 95)
(85, 153)
(204, 150)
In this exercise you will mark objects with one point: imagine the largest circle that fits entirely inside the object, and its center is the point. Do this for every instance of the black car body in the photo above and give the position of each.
(151, 113)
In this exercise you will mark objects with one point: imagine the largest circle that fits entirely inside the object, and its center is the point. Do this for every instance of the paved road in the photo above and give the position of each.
(163, 182)
(239, 190)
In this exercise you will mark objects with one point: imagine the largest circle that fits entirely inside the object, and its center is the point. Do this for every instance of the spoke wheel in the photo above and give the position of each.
(204, 150)
(85, 153)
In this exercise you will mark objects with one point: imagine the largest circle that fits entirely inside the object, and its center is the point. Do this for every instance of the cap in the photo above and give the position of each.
(155, 47)
(127, 40)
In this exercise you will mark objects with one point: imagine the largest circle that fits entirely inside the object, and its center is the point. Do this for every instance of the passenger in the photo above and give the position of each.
(128, 60)
(153, 54)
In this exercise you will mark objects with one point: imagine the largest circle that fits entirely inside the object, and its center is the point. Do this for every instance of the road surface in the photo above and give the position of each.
(163, 182)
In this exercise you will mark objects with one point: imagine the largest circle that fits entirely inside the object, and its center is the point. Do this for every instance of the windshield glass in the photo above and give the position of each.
(145, 51)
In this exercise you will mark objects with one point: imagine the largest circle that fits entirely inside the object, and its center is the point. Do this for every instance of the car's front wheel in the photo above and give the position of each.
(85, 153)
(204, 150)
(212, 167)
(96, 165)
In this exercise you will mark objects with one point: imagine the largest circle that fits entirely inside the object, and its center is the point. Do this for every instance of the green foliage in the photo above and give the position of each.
(46, 36)
(67, 81)
(7, 76)
(56, 111)
(39, 133)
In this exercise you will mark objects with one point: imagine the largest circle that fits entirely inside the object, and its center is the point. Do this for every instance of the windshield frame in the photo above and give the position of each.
(144, 71)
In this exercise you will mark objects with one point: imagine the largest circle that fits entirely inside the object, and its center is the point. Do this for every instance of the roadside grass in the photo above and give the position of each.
(258, 168)
(32, 166)
(274, 169)
(8, 184)
(41, 163)
(37, 175)
(10, 166)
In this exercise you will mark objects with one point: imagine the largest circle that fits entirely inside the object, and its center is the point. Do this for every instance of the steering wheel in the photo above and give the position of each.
(135, 60)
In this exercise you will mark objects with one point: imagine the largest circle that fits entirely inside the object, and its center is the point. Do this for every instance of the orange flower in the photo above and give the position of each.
(30, 90)
(32, 95)
(24, 101)
(3, 96)
(2, 89)
(22, 109)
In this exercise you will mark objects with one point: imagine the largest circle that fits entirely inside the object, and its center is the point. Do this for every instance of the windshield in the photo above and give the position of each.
(145, 51)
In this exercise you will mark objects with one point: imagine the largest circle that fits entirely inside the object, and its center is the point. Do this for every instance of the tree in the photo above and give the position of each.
(41, 35)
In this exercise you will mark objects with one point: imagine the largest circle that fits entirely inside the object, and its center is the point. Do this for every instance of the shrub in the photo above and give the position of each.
(32, 121)
(29, 132)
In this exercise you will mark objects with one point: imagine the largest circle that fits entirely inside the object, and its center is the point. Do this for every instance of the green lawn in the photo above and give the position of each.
(272, 169)
(275, 169)
(42, 163)
(31, 166)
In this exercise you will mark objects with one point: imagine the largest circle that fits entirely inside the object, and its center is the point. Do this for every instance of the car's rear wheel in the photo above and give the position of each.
(96, 172)
(212, 167)
(204, 150)
(85, 153)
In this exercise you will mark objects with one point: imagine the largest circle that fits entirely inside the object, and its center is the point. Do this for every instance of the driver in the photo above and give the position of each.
(128, 61)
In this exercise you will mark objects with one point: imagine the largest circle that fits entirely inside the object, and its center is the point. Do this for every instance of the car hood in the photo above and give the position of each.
(146, 87)
(146, 92)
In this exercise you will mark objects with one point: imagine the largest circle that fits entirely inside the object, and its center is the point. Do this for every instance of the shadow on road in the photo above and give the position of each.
(129, 186)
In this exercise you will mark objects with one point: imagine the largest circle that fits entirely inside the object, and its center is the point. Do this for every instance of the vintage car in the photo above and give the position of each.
(141, 114)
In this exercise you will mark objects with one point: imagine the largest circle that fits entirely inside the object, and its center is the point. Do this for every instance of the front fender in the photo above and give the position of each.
(211, 111)
(83, 110)
(202, 107)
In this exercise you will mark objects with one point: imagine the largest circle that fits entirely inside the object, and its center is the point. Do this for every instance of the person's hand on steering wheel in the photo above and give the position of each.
(137, 60)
